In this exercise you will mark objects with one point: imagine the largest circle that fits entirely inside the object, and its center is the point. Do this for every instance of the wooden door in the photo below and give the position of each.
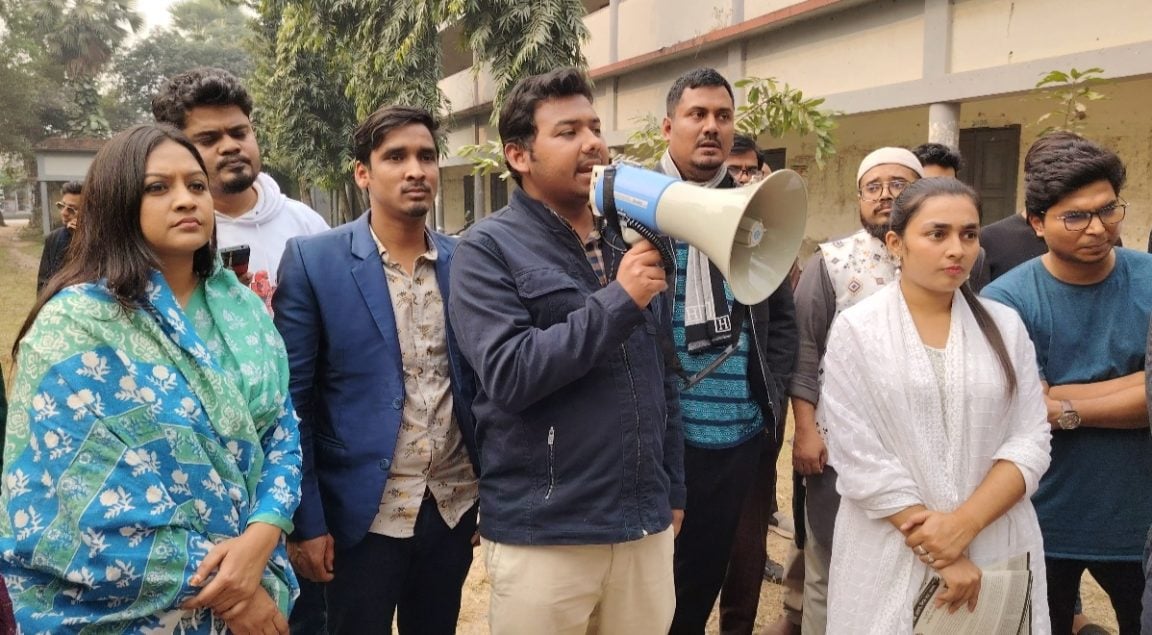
(991, 163)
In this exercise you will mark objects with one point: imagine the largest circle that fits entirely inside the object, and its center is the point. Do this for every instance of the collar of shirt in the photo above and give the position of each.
(593, 236)
(429, 255)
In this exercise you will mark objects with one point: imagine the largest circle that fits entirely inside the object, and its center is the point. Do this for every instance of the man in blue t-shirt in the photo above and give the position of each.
(1086, 305)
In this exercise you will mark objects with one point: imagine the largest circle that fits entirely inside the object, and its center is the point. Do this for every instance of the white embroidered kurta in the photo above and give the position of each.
(895, 444)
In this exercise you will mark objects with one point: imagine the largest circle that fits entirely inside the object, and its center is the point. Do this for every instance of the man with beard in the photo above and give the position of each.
(213, 109)
(388, 509)
(735, 410)
(842, 273)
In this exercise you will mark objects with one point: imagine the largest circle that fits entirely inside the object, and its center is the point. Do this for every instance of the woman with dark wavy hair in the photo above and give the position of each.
(152, 463)
(934, 416)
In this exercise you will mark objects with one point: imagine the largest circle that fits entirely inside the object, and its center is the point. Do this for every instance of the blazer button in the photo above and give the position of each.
(397, 403)
(385, 464)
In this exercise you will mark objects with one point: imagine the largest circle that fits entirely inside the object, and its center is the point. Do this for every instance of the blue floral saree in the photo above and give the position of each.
(135, 442)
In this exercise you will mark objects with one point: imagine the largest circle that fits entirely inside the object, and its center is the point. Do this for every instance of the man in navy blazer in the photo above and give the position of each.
(388, 509)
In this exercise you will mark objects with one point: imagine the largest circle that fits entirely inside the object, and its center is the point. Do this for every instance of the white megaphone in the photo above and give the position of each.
(751, 234)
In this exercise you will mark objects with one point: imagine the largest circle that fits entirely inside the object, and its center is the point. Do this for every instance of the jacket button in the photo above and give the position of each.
(385, 464)
(397, 403)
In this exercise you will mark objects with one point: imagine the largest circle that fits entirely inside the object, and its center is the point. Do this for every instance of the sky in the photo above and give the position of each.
(155, 13)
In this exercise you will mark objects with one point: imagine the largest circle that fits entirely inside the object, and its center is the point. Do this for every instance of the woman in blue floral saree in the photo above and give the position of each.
(152, 463)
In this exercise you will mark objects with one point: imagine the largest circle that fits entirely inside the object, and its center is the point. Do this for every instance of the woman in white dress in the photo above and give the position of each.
(934, 417)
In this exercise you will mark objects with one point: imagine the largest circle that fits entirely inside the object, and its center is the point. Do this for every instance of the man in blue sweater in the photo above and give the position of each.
(577, 415)
(732, 412)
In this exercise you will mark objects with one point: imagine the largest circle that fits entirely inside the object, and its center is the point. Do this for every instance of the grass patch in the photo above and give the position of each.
(18, 263)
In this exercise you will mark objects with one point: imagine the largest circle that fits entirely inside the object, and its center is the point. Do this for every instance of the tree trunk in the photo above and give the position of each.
(35, 223)
(305, 192)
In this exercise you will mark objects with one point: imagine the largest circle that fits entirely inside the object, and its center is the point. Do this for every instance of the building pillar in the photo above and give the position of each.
(479, 184)
(437, 219)
(944, 124)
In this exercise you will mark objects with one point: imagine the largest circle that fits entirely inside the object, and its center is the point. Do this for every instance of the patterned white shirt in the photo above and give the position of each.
(430, 456)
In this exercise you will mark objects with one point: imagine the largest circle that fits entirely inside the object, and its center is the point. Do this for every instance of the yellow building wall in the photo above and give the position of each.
(989, 33)
(452, 196)
(648, 25)
(645, 91)
(754, 8)
(865, 46)
(1123, 123)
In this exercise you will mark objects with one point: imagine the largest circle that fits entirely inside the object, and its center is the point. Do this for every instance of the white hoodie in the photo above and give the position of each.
(266, 228)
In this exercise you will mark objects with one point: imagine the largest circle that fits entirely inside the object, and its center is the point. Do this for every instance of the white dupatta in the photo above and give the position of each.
(896, 442)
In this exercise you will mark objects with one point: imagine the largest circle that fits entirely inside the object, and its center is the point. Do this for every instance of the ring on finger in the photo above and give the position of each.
(928, 559)
(920, 550)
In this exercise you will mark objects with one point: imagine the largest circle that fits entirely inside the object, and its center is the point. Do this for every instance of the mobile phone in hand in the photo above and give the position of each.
(236, 258)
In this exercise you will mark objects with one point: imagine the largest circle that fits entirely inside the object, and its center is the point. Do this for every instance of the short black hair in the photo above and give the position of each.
(695, 79)
(518, 114)
(742, 143)
(938, 154)
(72, 187)
(1064, 164)
(371, 132)
(202, 86)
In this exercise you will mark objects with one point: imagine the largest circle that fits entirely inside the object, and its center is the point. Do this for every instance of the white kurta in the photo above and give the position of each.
(895, 443)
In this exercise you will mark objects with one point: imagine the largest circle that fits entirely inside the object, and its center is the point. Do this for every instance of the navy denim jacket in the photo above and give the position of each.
(577, 419)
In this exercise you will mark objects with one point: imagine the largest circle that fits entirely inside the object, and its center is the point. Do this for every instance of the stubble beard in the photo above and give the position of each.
(239, 183)
(418, 211)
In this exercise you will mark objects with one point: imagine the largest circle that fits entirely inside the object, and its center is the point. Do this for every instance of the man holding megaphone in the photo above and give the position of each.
(577, 414)
(732, 409)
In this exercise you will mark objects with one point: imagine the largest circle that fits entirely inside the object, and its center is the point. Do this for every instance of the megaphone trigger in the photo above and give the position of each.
(631, 236)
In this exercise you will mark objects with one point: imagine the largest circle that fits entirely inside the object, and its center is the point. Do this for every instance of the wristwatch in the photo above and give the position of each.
(1069, 419)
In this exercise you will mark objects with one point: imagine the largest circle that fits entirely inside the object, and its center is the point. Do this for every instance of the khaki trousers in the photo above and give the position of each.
(573, 590)
(817, 561)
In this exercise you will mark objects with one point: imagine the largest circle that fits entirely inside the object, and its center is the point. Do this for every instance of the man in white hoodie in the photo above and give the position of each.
(213, 108)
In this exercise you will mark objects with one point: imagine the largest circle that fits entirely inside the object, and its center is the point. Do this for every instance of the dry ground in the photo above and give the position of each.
(18, 263)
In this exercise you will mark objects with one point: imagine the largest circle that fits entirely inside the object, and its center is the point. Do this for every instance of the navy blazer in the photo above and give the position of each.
(334, 311)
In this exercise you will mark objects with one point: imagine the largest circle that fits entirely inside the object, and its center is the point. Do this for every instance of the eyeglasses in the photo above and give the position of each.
(736, 171)
(1110, 214)
(61, 205)
(875, 191)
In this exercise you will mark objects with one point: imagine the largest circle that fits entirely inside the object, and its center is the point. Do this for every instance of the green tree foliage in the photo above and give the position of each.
(321, 65)
(202, 33)
(517, 39)
(299, 82)
(82, 36)
(1069, 92)
(34, 102)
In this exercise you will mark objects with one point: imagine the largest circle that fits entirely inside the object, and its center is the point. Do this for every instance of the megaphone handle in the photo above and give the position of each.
(632, 231)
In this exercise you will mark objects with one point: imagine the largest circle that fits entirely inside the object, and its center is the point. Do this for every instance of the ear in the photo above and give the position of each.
(1037, 223)
(666, 128)
(518, 157)
(894, 243)
(361, 173)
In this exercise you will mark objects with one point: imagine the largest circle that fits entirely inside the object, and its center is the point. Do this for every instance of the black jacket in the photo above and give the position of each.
(577, 418)
(55, 247)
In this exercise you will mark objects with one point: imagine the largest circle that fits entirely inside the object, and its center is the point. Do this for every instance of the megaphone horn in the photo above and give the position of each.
(751, 234)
